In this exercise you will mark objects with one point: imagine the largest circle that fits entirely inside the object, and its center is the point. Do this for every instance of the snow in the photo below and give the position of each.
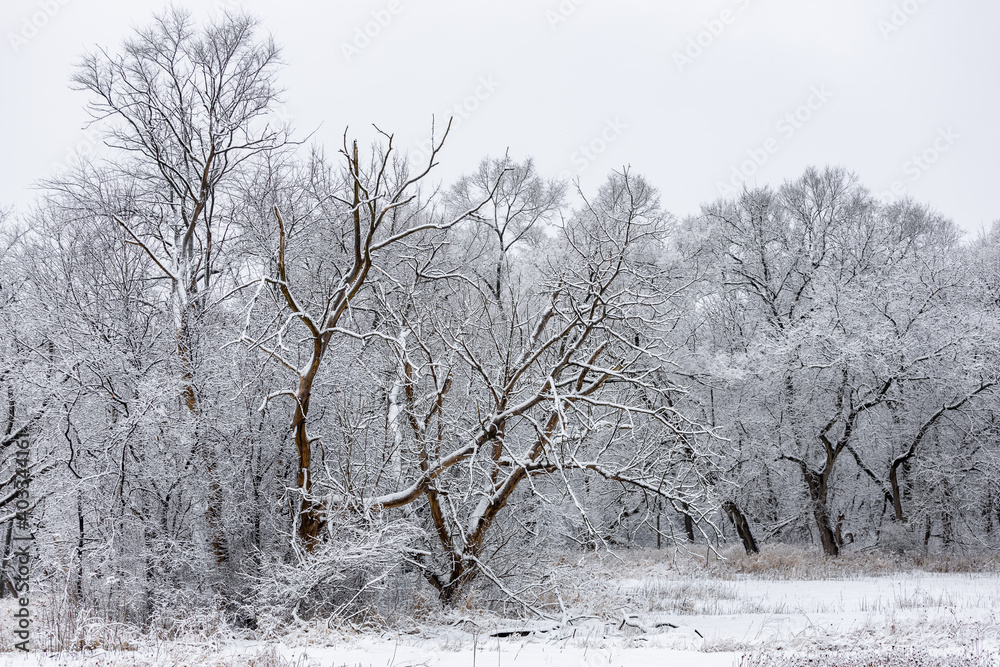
(717, 621)
(391, 654)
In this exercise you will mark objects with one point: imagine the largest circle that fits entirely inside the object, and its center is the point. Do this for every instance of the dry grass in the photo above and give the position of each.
(786, 562)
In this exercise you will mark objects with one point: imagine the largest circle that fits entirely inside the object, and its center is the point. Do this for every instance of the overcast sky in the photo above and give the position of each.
(697, 96)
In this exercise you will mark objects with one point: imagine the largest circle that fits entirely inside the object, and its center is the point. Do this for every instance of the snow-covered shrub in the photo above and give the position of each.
(342, 579)
(899, 538)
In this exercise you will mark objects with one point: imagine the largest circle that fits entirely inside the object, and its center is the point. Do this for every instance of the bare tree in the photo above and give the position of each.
(520, 204)
(373, 209)
(837, 306)
(184, 108)
(561, 378)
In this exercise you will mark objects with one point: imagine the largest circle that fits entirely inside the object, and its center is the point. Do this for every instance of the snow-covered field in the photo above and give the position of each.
(648, 613)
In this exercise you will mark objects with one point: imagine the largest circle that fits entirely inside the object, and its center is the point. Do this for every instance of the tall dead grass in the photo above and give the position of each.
(794, 562)
(782, 562)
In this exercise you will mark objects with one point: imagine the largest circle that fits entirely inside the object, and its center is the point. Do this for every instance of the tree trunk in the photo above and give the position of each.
(79, 549)
(213, 510)
(897, 500)
(310, 517)
(742, 527)
(5, 582)
(947, 525)
(688, 523)
(817, 495)
(457, 580)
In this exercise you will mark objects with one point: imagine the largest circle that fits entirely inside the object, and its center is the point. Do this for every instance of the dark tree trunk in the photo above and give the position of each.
(79, 549)
(842, 537)
(688, 523)
(947, 525)
(817, 484)
(742, 527)
(5, 582)
(897, 501)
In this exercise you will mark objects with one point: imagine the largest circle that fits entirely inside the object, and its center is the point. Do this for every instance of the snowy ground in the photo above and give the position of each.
(652, 615)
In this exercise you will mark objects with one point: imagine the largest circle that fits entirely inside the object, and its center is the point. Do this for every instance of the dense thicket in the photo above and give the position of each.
(267, 381)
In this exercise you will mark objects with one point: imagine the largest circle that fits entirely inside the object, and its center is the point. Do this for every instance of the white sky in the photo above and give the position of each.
(930, 87)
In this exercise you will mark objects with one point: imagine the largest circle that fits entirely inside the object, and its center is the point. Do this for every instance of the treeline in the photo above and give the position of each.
(258, 379)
